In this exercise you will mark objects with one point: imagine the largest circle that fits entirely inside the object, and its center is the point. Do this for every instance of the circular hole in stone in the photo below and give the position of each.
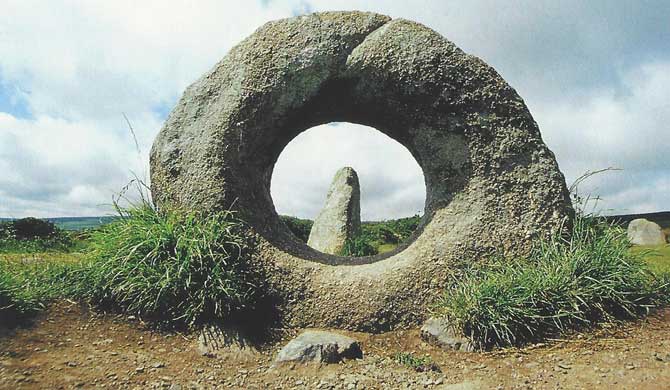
(392, 190)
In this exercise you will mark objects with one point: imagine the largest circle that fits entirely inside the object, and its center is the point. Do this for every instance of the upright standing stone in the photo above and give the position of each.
(340, 218)
(645, 232)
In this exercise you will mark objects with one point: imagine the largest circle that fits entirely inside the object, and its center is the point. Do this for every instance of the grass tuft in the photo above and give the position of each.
(16, 301)
(564, 284)
(417, 363)
(28, 284)
(358, 246)
(171, 266)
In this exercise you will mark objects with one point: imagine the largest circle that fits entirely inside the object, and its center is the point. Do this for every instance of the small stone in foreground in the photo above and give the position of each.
(319, 347)
(436, 331)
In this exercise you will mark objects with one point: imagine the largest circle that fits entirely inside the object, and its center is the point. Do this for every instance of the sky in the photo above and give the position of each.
(594, 74)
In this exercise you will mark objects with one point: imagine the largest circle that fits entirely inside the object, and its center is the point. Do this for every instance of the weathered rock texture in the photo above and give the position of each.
(340, 218)
(491, 183)
(315, 346)
(644, 232)
(436, 331)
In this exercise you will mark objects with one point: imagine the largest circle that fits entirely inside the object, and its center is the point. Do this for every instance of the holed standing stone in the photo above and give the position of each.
(492, 185)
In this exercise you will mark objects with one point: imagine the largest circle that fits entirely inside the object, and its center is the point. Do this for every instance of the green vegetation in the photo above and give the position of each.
(383, 248)
(81, 223)
(416, 363)
(31, 235)
(299, 227)
(37, 264)
(27, 284)
(358, 247)
(564, 284)
(375, 236)
(182, 269)
(74, 223)
(382, 236)
(656, 257)
(174, 267)
(393, 231)
(16, 300)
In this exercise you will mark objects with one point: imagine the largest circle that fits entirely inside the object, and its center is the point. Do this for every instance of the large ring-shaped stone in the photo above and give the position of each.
(491, 183)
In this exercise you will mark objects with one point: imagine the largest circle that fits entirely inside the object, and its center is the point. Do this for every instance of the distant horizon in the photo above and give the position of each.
(288, 215)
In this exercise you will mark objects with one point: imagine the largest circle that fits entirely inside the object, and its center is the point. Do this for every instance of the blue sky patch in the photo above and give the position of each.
(13, 103)
(302, 8)
(162, 110)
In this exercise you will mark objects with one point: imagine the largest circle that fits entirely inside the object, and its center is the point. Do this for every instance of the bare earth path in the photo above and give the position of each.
(70, 347)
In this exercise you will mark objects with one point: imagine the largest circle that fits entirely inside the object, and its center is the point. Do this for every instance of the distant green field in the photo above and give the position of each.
(80, 223)
(658, 257)
(76, 223)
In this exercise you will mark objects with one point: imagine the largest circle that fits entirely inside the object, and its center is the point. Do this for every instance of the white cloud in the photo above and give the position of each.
(49, 163)
(392, 183)
(628, 131)
(80, 66)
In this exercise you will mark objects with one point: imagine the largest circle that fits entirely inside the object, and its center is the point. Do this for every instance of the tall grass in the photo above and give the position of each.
(358, 246)
(172, 266)
(15, 300)
(564, 284)
(27, 285)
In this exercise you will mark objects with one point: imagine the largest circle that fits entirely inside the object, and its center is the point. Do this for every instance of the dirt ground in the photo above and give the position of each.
(71, 347)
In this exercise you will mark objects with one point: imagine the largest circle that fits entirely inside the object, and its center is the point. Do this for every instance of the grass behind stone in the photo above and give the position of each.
(358, 247)
(564, 284)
